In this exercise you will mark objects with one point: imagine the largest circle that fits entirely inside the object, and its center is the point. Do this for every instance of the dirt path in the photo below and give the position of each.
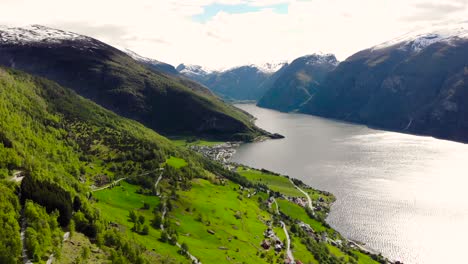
(309, 201)
(157, 182)
(288, 243)
(193, 258)
(288, 240)
(108, 185)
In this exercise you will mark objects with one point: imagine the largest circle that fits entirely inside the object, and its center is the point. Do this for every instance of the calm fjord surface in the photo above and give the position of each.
(403, 195)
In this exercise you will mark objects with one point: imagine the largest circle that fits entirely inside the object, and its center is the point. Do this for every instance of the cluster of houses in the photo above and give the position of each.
(302, 201)
(271, 241)
(222, 152)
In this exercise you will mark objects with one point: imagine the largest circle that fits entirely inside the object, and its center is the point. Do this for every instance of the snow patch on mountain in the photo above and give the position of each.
(267, 67)
(270, 67)
(190, 69)
(420, 39)
(320, 58)
(36, 33)
(140, 58)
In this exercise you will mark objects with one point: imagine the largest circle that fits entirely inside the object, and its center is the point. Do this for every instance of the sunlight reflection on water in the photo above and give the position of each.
(402, 195)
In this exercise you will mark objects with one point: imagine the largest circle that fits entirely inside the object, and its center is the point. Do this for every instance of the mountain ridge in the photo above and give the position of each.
(295, 84)
(112, 78)
(239, 83)
(415, 85)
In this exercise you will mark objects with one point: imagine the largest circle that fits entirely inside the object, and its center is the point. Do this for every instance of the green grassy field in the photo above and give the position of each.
(238, 225)
(274, 182)
(73, 248)
(176, 162)
(115, 204)
(297, 212)
(363, 258)
(219, 223)
(336, 251)
(300, 251)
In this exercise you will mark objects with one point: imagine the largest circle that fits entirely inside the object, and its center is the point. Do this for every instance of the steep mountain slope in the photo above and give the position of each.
(152, 63)
(416, 84)
(170, 71)
(296, 83)
(61, 142)
(113, 79)
(239, 83)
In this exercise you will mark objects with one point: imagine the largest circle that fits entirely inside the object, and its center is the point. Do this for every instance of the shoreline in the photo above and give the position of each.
(231, 148)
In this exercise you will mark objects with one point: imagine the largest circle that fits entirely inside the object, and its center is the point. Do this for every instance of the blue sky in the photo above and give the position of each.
(211, 10)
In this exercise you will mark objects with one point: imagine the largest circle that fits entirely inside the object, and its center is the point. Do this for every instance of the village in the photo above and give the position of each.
(221, 152)
(224, 152)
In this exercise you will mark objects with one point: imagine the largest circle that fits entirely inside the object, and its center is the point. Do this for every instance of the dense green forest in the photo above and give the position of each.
(62, 143)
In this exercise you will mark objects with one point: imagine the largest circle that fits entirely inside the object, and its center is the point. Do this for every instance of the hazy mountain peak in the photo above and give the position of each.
(193, 69)
(318, 58)
(418, 40)
(270, 67)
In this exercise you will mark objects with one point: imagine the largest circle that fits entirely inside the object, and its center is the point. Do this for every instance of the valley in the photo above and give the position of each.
(126, 194)
(108, 156)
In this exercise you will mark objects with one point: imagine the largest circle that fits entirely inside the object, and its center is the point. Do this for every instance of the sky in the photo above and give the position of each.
(224, 33)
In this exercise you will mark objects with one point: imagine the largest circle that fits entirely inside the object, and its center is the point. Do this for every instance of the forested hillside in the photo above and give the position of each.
(80, 184)
(114, 80)
(62, 144)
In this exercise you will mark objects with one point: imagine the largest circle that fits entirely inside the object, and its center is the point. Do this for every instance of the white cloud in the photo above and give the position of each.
(165, 30)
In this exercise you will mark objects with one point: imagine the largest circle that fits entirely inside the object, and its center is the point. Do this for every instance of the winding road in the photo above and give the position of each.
(288, 240)
(309, 201)
(116, 181)
(108, 185)
(288, 243)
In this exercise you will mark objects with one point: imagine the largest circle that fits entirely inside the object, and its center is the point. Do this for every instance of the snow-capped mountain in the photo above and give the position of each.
(111, 78)
(320, 58)
(418, 40)
(297, 82)
(266, 67)
(417, 83)
(140, 58)
(236, 83)
(152, 63)
(193, 70)
(37, 34)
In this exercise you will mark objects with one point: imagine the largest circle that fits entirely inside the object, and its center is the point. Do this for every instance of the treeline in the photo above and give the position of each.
(49, 195)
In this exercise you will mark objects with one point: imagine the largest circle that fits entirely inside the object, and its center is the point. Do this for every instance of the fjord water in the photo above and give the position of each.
(405, 196)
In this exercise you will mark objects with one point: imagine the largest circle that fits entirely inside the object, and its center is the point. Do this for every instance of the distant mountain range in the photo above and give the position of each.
(417, 83)
(145, 90)
(234, 84)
